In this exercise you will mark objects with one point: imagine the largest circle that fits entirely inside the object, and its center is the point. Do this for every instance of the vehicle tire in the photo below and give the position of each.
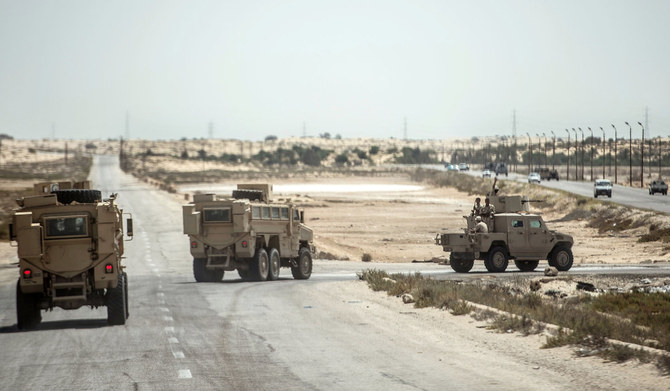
(202, 274)
(125, 288)
(461, 262)
(260, 266)
(561, 258)
(304, 268)
(526, 266)
(117, 302)
(274, 265)
(86, 196)
(497, 260)
(251, 195)
(28, 314)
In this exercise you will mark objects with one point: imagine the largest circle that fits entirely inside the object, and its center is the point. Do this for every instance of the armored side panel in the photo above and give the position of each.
(40, 200)
(204, 197)
(510, 204)
(28, 235)
(241, 214)
(191, 219)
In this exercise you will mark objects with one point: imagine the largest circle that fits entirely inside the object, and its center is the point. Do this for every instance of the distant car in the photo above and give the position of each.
(534, 177)
(447, 164)
(602, 187)
(501, 168)
(452, 167)
(486, 174)
(463, 167)
(658, 186)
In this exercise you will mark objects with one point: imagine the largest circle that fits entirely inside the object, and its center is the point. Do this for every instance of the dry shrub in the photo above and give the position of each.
(366, 257)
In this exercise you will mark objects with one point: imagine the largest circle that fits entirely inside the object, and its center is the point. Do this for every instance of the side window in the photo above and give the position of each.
(275, 213)
(255, 212)
(266, 212)
(517, 223)
(284, 213)
(535, 224)
(296, 216)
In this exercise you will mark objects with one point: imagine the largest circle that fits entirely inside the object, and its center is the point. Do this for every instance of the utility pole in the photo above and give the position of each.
(615, 156)
(405, 130)
(630, 155)
(642, 158)
(127, 126)
(66, 153)
(514, 135)
(567, 175)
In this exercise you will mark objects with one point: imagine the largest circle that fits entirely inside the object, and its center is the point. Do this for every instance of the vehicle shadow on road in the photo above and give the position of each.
(59, 325)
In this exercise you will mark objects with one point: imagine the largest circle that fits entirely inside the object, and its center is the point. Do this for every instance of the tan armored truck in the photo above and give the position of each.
(513, 233)
(248, 233)
(70, 245)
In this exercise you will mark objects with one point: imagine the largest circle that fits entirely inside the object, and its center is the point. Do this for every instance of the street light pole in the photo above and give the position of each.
(553, 151)
(591, 149)
(603, 143)
(530, 153)
(630, 155)
(576, 152)
(539, 144)
(582, 132)
(642, 157)
(544, 135)
(567, 175)
(615, 156)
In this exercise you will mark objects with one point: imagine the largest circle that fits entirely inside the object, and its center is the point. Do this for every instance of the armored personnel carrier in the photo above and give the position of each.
(513, 233)
(248, 233)
(70, 245)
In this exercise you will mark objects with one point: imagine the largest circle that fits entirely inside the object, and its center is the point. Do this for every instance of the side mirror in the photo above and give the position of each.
(129, 227)
(302, 217)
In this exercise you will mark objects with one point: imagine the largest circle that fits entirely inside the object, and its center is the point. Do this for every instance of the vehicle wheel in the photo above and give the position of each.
(461, 262)
(28, 314)
(251, 195)
(665, 192)
(497, 260)
(561, 258)
(202, 274)
(526, 266)
(304, 268)
(244, 273)
(275, 265)
(86, 196)
(116, 303)
(595, 196)
(609, 195)
(125, 288)
(260, 266)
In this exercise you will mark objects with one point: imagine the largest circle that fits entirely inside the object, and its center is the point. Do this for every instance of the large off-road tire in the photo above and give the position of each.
(86, 196)
(117, 302)
(461, 262)
(304, 268)
(202, 274)
(275, 265)
(125, 288)
(497, 260)
(251, 195)
(561, 258)
(260, 266)
(28, 314)
(526, 266)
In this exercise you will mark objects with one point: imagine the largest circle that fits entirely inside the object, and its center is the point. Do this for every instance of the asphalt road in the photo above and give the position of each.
(288, 334)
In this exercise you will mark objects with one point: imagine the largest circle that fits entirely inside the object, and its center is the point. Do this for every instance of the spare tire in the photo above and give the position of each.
(251, 195)
(86, 196)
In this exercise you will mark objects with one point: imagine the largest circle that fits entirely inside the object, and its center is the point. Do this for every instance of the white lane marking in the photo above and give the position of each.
(184, 374)
(178, 354)
(155, 270)
(160, 294)
(147, 245)
(168, 319)
(165, 309)
(169, 329)
(160, 286)
(173, 340)
(158, 275)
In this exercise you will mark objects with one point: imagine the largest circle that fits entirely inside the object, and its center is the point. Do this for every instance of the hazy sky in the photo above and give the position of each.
(355, 68)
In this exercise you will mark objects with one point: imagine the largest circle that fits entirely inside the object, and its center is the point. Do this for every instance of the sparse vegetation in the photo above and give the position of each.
(366, 257)
(583, 320)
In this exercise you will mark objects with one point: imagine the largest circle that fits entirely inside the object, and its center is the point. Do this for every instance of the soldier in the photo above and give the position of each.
(477, 207)
(486, 212)
(480, 227)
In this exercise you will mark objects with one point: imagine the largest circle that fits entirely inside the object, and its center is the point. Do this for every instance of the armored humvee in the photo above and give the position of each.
(514, 233)
(70, 245)
(247, 232)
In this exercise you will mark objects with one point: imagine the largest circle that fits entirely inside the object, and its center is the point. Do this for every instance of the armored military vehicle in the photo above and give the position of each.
(70, 245)
(513, 233)
(248, 233)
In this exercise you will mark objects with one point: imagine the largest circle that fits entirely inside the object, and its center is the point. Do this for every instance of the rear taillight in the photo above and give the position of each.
(109, 268)
(194, 244)
(244, 244)
(27, 273)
